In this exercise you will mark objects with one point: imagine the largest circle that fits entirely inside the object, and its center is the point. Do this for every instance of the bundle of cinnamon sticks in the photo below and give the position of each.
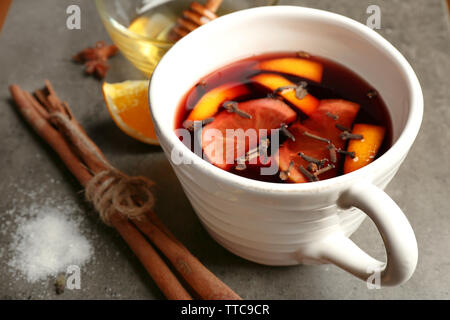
(54, 122)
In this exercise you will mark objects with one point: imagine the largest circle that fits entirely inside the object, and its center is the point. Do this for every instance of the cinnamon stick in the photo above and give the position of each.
(150, 259)
(154, 265)
(84, 159)
(84, 149)
(201, 280)
(25, 105)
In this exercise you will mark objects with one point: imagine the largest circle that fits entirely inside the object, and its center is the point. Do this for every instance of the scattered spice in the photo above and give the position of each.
(313, 136)
(323, 170)
(342, 128)
(95, 59)
(311, 177)
(332, 116)
(193, 125)
(303, 55)
(233, 106)
(350, 136)
(372, 94)
(60, 284)
(284, 175)
(332, 149)
(286, 132)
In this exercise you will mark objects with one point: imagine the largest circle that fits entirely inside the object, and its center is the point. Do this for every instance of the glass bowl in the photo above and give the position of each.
(141, 28)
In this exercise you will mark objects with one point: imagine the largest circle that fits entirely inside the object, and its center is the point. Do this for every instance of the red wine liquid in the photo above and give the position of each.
(338, 82)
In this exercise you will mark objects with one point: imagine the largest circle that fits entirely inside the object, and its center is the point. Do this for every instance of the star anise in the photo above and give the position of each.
(95, 59)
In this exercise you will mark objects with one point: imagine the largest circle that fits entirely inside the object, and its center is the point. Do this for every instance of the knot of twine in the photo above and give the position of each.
(112, 191)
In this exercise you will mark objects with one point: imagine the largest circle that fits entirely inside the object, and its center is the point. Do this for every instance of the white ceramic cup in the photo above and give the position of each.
(287, 224)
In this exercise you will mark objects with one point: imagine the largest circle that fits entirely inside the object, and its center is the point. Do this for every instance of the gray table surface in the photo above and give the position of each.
(35, 44)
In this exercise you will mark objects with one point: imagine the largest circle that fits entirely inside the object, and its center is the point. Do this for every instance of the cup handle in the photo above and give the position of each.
(396, 232)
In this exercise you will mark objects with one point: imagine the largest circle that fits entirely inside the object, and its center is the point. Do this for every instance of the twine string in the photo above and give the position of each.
(111, 190)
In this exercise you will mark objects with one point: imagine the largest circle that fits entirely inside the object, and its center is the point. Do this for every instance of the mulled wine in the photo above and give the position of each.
(285, 118)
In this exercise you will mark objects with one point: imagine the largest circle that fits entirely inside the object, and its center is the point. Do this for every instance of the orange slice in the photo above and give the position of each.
(366, 149)
(210, 102)
(127, 102)
(265, 114)
(274, 81)
(321, 125)
(295, 66)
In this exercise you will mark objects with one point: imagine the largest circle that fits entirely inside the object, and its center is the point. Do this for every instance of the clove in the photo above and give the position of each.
(372, 94)
(284, 175)
(342, 128)
(262, 148)
(303, 55)
(332, 149)
(350, 136)
(351, 154)
(286, 132)
(300, 89)
(240, 164)
(232, 106)
(312, 167)
(318, 162)
(311, 177)
(313, 136)
(323, 170)
(332, 116)
(193, 125)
